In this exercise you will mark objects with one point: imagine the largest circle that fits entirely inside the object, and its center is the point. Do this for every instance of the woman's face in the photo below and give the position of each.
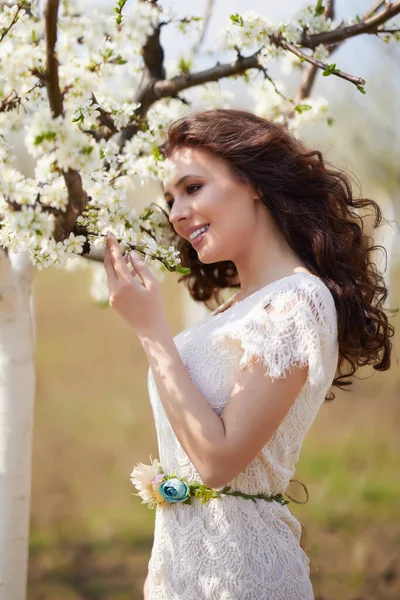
(204, 192)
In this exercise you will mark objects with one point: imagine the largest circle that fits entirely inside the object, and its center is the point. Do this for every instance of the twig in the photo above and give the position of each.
(368, 25)
(105, 117)
(272, 82)
(320, 65)
(376, 8)
(15, 19)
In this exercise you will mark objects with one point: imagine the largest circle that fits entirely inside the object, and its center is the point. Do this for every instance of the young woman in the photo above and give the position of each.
(234, 396)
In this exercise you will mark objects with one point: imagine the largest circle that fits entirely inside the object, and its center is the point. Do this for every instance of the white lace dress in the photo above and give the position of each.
(232, 548)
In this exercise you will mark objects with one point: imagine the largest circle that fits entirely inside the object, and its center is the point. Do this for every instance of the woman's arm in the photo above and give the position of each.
(197, 426)
(220, 447)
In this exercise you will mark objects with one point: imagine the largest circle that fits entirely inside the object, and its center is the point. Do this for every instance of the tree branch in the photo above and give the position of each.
(158, 88)
(166, 88)
(7, 29)
(105, 118)
(52, 80)
(320, 65)
(309, 74)
(153, 58)
(77, 197)
(376, 8)
(329, 12)
(368, 25)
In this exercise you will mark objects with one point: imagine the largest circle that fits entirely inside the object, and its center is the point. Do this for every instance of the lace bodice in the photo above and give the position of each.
(289, 322)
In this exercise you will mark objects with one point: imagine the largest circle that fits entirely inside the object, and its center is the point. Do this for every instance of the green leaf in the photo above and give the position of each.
(87, 150)
(148, 214)
(300, 108)
(157, 153)
(237, 19)
(330, 70)
(79, 119)
(183, 270)
(319, 9)
(49, 135)
(361, 89)
(185, 65)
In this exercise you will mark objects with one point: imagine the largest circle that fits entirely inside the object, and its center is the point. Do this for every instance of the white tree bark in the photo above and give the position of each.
(17, 388)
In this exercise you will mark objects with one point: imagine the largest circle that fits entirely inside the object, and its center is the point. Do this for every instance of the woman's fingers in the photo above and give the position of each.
(109, 267)
(119, 264)
(142, 269)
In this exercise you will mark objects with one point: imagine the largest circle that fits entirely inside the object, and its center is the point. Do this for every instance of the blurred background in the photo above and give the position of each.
(90, 537)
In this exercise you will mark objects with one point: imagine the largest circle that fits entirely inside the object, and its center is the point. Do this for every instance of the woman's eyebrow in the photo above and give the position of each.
(180, 181)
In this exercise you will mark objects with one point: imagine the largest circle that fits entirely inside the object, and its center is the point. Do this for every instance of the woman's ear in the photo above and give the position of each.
(257, 195)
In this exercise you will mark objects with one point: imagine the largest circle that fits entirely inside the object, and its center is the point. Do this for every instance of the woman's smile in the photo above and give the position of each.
(200, 237)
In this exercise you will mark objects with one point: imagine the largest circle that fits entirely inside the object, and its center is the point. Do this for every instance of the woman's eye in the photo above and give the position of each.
(190, 189)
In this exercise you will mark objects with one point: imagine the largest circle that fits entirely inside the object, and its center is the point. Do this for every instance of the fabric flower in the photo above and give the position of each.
(142, 478)
(174, 490)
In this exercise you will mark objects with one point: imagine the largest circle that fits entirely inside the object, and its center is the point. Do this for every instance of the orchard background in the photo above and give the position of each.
(90, 538)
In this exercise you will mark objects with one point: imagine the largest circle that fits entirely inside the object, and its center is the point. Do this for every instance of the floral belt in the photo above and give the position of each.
(155, 488)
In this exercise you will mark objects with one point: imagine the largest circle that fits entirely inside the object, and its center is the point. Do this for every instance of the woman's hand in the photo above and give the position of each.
(139, 303)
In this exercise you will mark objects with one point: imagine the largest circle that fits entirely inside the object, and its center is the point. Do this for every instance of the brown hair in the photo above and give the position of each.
(314, 207)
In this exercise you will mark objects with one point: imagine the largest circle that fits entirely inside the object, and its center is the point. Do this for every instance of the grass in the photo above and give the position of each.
(91, 538)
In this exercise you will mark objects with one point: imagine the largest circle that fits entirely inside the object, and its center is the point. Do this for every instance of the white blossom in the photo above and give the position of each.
(267, 102)
(100, 67)
(321, 53)
(74, 243)
(55, 194)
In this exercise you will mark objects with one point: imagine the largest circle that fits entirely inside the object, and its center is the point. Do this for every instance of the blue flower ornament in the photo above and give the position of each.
(155, 487)
(174, 490)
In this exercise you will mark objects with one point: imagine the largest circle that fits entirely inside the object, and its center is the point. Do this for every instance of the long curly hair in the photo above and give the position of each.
(314, 207)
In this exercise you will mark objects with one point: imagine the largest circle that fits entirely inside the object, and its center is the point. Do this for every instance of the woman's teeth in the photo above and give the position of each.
(194, 235)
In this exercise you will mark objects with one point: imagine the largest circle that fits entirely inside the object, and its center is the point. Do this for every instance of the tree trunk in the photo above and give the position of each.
(17, 389)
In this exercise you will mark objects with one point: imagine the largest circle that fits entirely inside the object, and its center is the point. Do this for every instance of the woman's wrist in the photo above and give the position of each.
(158, 333)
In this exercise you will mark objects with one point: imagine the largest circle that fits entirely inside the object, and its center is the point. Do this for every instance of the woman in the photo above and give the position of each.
(234, 396)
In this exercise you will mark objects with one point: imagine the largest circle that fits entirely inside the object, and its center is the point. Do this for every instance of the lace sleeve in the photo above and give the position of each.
(292, 327)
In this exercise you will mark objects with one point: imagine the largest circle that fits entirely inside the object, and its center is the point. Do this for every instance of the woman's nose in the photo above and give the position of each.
(178, 212)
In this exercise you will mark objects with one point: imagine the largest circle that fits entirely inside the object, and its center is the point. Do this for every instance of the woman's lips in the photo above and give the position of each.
(197, 241)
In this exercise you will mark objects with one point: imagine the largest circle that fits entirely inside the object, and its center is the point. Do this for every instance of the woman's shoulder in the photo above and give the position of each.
(302, 286)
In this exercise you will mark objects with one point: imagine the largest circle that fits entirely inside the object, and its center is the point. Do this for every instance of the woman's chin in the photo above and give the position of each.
(208, 257)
